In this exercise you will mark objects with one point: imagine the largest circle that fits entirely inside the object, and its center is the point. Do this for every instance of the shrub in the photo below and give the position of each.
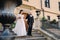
(44, 19)
(53, 22)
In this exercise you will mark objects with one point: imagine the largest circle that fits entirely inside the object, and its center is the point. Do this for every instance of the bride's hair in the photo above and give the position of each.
(20, 11)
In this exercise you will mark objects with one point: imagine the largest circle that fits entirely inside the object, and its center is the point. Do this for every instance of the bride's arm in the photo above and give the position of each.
(18, 18)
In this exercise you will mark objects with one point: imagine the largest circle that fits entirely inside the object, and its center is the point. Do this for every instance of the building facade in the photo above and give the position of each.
(50, 9)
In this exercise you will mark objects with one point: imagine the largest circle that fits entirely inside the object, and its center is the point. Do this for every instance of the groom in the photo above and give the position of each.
(30, 23)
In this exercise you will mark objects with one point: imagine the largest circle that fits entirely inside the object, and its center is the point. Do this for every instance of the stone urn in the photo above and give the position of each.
(6, 19)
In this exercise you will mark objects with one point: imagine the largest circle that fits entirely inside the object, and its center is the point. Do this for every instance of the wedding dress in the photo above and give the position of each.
(20, 29)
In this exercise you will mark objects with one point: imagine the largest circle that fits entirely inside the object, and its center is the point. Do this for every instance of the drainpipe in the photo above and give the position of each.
(42, 8)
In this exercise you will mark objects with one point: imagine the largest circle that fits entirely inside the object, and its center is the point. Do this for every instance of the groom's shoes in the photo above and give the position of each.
(29, 35)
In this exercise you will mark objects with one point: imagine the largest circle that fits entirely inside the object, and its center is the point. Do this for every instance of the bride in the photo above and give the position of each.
(20, 29)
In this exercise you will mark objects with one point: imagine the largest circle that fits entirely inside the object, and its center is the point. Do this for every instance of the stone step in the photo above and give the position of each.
(35, 36)
(32, 38)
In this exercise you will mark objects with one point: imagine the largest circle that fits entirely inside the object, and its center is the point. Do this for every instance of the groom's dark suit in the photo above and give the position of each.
(30, 23)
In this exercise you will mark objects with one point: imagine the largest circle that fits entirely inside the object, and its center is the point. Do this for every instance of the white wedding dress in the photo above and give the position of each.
(20, 29)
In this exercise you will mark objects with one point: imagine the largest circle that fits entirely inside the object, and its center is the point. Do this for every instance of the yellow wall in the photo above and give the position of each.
(54, 6)
(53, 11)
(35, 3)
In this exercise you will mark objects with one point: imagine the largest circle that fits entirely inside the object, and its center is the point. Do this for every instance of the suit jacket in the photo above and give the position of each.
(30, 19)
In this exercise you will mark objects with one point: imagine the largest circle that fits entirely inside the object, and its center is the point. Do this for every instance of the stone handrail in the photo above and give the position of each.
(47, 35)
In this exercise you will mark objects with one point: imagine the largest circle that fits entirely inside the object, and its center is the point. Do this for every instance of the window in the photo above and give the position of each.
(48, 17)
(26, 0)
(47, 3)
(59, 6)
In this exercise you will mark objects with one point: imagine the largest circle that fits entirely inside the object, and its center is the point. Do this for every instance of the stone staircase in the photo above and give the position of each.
(35, 36)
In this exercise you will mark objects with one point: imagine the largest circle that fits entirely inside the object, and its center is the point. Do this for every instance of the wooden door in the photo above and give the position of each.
(26, 23)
